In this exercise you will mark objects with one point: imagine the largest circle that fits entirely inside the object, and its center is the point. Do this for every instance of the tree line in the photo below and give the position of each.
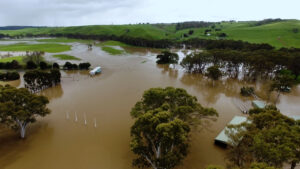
(194, 24)
(7, 76)
(253, 63)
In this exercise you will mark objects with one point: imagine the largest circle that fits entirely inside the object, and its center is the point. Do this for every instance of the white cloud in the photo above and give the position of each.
(93, 12)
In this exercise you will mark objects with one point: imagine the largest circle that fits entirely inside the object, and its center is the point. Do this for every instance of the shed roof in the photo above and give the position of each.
(222, 137)
(259, 104)
(295, 117)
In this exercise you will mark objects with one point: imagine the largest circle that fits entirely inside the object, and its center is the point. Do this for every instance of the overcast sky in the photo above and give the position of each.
(96, 12)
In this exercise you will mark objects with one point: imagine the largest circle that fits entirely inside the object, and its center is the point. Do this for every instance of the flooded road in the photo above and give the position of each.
(62, 140)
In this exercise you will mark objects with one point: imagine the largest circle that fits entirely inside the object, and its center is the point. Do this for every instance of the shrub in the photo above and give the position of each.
(295, 30)
(84, 65)
(247, 91)
(55, 66)
(31, 65)
(10, 65)
(43, 65)
(9, 76)
(67, 66)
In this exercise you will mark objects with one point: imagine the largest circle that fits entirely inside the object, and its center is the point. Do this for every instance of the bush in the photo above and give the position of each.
(222, 35)
(55, 66)
(191, 32)
(167, 57)
(43, 65)
(31, 65)
(81, 66)
(295, 30)
(84, 66)
(67, 66)
(74, 66)
(247, 91)
(9, 76)
(10, 65)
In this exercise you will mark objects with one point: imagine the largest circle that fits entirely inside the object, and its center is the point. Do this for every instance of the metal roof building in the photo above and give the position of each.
(258, 104)
(222, 137)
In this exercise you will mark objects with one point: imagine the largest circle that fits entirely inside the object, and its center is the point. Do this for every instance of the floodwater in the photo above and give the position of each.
(89, 127)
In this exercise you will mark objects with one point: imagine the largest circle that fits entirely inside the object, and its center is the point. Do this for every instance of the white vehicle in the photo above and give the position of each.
(95, 71)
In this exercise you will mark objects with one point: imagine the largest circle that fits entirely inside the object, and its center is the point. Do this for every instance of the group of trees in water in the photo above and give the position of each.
(167, 57)
(10, 65)
(251, 64)
(267, 137)
(73, 66)
(7, 76)
(38, 80)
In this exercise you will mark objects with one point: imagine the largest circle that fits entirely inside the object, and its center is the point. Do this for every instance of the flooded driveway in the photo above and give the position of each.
(104, 101)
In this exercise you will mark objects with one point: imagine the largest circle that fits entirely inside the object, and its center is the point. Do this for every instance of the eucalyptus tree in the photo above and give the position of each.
(167, 57)
(283, 82)
(213, 73)
(163, 121)
(19, 107)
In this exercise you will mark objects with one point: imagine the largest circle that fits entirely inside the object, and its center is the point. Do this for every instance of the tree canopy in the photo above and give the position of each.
(167, 57)
(37, 80)
(163, 119)
(270, 138)
(18, 107)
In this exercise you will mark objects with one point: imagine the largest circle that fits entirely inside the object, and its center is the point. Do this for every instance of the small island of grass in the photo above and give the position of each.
(112, 50)
(66, 57)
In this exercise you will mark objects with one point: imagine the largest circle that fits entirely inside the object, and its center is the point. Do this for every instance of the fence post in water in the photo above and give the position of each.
(67, 115)
(84, 116)
(76, 119)
(95, 123)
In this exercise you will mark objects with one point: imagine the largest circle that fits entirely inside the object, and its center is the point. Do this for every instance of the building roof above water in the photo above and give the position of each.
(222, 137)
(259, 104)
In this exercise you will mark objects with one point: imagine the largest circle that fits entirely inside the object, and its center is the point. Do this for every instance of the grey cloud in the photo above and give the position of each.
(88, 12)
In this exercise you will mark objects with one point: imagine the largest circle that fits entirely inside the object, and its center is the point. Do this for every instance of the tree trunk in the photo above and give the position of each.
(23, 132)
(293, 165)
(277, 97)
(22, 128)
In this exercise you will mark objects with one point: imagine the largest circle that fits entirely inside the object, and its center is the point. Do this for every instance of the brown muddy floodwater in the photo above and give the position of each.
(60, 142)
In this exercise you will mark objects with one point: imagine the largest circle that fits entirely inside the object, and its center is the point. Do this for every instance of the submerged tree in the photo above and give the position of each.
(37, 80)
(214, 73)
(160, 134)
(196, 62)
(167, 57)
(283, 82)
(18, 108)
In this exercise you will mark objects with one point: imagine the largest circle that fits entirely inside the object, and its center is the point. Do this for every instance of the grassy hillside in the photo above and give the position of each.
(278, 34)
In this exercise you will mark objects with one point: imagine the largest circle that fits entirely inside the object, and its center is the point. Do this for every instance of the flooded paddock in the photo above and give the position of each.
(89, 126)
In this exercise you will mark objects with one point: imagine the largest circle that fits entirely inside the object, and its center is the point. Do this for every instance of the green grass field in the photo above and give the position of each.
(66, 57)
(278, 34)
(48, 47)
(112, 50)
(9, 59)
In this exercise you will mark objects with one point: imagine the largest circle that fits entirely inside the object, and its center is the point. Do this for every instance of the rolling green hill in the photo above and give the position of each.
(281, 33)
